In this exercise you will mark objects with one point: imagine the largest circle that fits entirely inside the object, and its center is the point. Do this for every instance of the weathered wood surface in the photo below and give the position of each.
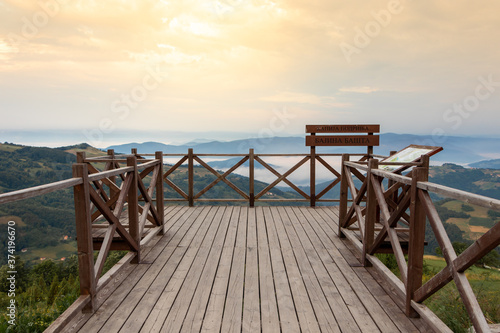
(342, 128)
(342, 140)
(241, 269)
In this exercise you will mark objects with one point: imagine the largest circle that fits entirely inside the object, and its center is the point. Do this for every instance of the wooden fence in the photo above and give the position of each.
(191, 159)
(400, 212)
(111, 189)
(104, 189)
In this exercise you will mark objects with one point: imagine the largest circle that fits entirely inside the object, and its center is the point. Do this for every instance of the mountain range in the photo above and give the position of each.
(457, 149)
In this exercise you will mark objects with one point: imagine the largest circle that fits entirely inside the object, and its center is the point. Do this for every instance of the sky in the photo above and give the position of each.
(115, 71)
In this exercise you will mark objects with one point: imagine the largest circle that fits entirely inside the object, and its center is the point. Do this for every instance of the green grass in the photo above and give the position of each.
(479, 217)
(9, 148)
(447, 303)
(481, 221)
(436, 264)
(477, 211)
(50, 252)
(17, 219)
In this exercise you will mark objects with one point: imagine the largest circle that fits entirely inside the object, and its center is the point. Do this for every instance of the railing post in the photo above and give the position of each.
(343, 194)
(313, 174)
(133, 210)
(84, 236)
(133, 151)
(160, 191)
(369, 149)
(417, 236)
(391, 182)
(371, 212)
(190, 177)
(111, 154)
(80, 157)
(251, 174)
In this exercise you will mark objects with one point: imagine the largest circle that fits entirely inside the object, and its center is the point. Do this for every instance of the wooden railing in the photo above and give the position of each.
(400, 211)
(111, 189)
(100, 203)
(104, 189)
(252, 196)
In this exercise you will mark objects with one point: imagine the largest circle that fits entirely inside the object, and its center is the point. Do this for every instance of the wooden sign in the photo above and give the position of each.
(342, 128)
(412, 153)
(342, 140)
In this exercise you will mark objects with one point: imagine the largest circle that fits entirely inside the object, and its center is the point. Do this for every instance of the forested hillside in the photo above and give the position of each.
(45, 222)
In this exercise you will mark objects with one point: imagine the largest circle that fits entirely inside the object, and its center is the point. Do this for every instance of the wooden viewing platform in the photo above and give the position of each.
(199, 268)
(240, 269)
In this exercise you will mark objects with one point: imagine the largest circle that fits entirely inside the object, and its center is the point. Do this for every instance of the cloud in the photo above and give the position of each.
(359, 90)
(244, 57)
(6, 50)
(302, 98)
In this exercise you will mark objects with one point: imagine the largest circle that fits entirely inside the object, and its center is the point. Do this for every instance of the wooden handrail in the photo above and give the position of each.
(192, 159)
(391, 205)
(38, 190)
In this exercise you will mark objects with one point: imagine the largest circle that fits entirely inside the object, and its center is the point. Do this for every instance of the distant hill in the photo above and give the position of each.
(489, 164)
(43, 221)
(480, 181)
(229, 163)
(458, 150)
(262, 146)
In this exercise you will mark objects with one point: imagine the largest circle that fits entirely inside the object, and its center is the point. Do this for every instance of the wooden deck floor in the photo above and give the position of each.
(239, 269)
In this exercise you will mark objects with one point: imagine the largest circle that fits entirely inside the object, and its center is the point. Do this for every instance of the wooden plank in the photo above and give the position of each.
(233, 309)
(150, 234)
(343, 140)
(84, 236)
(363, 306)
(115, 312)
(282, 177)
(59, 324)
(251, 308)
(464, 288)
(312, 175)
(111, 218)
(364, 285)
(221, 178)
(470, 198)
(103, 251)
(324, 314)
(149, 289)
(327, 272)
(385, 294)
(106, 174)
(417, 240)
(38, 190)
(482, 246)
(109, 298)
(196, 312)
(190, 177)
(386, 216)
(393, 286)
(213, 316)
(343, 128)
(303, 306)
(211, 246)
(251, 177)
(268, 304)
(173, 275)
(286, 306)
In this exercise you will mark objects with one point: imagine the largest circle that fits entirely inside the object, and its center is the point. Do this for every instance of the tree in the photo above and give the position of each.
(467, 208)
